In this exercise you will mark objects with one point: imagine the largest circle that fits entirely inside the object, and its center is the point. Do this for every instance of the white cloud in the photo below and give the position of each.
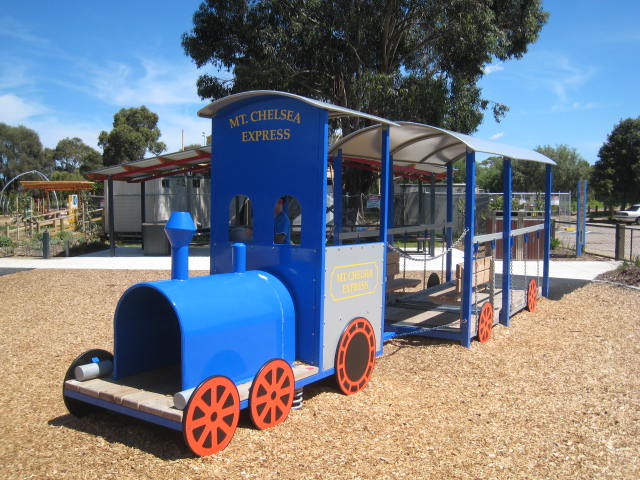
(14, 110)
(497, 67)
(172, 124)
(149, 83)
(53, 129)
(496, 136)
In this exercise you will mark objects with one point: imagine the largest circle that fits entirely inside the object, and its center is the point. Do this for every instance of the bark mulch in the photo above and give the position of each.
(556, 395)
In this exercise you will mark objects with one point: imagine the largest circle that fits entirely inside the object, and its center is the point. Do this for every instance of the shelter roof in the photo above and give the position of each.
(423, 149)
(58, 185)
(335, 111)
(192, 160)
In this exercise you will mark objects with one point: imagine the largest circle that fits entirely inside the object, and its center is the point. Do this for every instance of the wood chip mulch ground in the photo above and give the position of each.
(555, 396)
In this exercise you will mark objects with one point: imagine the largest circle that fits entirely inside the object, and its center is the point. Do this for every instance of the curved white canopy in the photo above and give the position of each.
(335, 111)
(424, 148)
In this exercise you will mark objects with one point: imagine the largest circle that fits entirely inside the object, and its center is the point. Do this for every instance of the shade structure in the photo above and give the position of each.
(192, 160)
(421, 148)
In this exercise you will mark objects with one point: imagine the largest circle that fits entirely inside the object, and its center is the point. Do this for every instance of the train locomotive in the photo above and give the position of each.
(272, 317)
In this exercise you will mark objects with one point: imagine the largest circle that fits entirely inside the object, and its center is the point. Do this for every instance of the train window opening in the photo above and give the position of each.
(240, 219)
(287, 221)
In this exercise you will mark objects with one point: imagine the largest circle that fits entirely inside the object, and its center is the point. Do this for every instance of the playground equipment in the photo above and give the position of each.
(274, 316)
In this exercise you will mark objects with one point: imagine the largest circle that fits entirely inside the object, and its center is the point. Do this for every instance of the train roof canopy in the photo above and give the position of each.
(422, 148)
(335, 111)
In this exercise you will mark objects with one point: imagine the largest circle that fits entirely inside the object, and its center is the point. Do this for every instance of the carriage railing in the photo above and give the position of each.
(522, 268)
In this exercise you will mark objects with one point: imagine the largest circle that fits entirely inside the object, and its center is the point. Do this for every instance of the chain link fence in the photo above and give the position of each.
(413, 206)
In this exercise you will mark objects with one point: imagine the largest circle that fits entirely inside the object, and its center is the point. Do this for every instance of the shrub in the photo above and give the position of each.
(6, 241)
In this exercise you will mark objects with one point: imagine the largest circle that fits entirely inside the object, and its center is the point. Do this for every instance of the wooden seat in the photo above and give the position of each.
(451, 292)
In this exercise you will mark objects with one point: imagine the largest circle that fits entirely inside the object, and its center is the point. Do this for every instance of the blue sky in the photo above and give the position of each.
(67, 67)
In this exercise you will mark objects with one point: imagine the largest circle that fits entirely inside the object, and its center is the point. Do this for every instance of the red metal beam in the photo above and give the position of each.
(162, 165)
(194, 169)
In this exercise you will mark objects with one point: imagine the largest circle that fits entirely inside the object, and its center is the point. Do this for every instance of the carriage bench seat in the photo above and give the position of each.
(451, 292)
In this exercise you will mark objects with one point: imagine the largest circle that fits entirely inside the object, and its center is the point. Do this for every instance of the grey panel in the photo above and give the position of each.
(353, 287)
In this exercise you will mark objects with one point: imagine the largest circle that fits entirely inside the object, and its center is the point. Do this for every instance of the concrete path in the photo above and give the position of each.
(133, 259)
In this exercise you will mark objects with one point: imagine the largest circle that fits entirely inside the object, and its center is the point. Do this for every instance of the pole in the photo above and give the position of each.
(505, 315)
(449, 228)
(112, 240)
(469, 223)
(143, 209)
(547, 233)
(337, 198)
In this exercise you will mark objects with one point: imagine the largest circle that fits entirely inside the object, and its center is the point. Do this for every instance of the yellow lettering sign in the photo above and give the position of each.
(265, 135)
(267, 114)
(350, 281)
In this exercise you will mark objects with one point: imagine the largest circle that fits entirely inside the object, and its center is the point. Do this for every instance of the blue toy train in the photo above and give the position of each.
(274, 315)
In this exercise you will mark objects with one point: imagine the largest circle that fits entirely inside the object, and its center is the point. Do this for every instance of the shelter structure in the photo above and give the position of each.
(189, 162)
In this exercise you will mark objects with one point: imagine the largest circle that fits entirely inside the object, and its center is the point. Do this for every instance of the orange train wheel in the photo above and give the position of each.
(532, 296)
(271, 394)
(485, 322)
(356, 356)
(211, 416)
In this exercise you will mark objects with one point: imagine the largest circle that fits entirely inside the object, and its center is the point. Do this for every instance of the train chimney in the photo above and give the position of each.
(239, 257)
(180, 229)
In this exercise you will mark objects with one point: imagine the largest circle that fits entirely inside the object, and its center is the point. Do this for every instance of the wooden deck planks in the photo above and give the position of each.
(148, 399)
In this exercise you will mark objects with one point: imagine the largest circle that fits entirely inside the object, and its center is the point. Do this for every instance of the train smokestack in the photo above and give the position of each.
(180, 229)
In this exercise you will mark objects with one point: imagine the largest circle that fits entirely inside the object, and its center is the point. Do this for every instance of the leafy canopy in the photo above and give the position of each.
(135, 132)
(402, 59)
(20, 151)
(616, 175)
(530, 176)
(72, 154)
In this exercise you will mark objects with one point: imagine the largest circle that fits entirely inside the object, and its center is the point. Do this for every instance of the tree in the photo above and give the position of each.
(530, 176)
(616, 175)
(570, 167)
(402, 59)
(135, 132)
(72, 154)
(20, 151)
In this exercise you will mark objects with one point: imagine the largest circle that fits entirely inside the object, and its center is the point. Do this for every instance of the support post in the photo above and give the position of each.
(579, 207)
(449, 229)
(337, 198)
(143, 209)
(585, 204)
(505, 314)
(432, 217)
(547, 232)
(469, 223)
(112, 240)
(385, 187)
(619, 245)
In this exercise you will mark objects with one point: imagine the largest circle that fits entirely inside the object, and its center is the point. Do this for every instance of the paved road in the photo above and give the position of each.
(601, 239)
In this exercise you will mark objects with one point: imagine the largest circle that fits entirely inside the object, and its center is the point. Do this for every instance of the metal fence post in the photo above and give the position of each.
(620, 232)
(45, 244)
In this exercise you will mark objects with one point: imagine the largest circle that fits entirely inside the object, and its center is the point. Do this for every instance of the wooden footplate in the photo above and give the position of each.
(142, 394)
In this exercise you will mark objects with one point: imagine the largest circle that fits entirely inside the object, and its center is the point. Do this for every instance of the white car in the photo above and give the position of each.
(630, 215)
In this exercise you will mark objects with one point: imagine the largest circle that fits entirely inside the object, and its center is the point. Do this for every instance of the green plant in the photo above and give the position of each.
(65, 236)
(555, 243)
(6, 241)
